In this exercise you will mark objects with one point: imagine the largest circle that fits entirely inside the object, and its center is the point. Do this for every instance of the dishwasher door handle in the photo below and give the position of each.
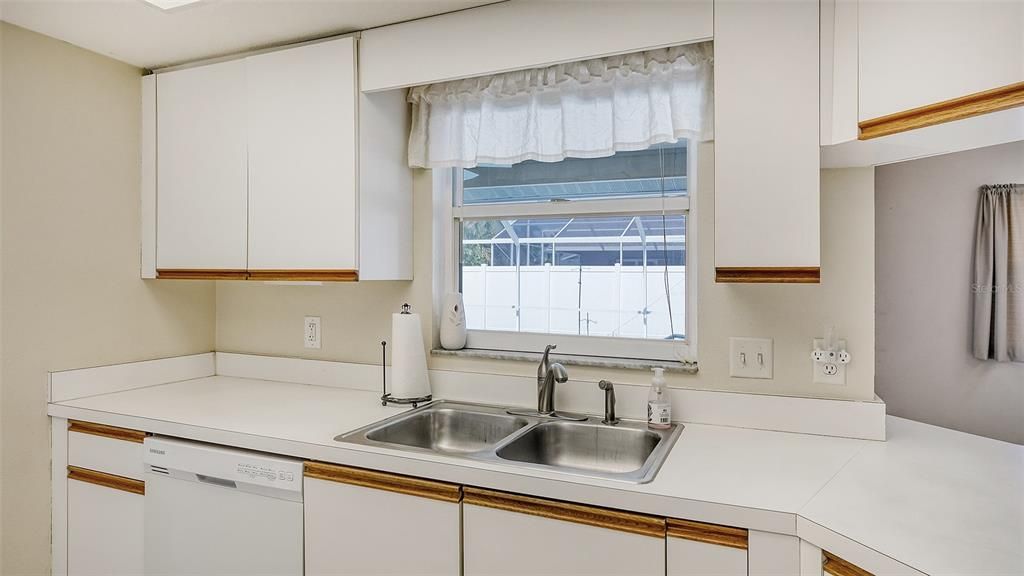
(216, 481)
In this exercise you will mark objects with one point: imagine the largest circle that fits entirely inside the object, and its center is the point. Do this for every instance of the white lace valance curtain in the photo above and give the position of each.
(585, 109)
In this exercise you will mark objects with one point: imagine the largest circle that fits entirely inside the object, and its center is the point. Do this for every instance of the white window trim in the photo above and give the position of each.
(446, 221)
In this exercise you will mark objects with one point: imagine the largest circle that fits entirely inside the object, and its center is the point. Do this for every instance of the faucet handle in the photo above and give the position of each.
(542, 369)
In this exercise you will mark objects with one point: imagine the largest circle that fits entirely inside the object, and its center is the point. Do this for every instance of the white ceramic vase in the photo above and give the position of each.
(453, 322)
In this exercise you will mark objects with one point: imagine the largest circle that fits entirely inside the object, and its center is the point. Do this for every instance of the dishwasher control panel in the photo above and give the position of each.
(271, 474)
(222, 466)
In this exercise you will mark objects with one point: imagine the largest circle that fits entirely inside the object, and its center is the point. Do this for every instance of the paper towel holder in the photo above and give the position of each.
(385, 397)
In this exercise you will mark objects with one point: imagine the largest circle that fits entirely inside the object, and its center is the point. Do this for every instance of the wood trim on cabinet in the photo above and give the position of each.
(106, 431)
(592, 516)
(768, 275)
(836, 566)
(709, 533)
(305, 275)
(195, 274)
(994, 100)
(384, 481)
(107, 480)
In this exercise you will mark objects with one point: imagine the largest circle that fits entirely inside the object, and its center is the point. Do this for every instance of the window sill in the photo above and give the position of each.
(571, 360)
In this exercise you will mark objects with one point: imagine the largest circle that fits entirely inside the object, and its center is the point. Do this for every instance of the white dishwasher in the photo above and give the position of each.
(214, 511)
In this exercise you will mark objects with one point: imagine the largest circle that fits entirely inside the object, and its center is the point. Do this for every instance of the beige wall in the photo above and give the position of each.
(926, 211)
(2, 28)
(71, 295)
(267, 319)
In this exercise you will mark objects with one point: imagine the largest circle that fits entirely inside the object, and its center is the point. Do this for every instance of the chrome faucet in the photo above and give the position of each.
(547, 374)
(609, 402)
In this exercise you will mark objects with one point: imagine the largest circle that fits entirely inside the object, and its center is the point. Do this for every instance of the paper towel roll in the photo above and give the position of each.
(408, 358)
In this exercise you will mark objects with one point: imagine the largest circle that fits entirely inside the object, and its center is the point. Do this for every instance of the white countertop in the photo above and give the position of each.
(941, 501)
(937, 500)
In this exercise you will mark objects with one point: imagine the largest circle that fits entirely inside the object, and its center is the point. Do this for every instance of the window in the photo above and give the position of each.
(588, 254)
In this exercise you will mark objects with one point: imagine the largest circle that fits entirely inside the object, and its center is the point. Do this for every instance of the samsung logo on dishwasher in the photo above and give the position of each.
(155, 451)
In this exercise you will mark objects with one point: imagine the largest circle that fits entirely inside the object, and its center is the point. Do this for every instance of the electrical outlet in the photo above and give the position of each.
(311, 332)
(750, 358)
(829, 366)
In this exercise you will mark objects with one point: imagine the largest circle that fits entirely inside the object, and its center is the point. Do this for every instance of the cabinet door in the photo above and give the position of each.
(201, 168)
(109, 449)
(361, 522)
(524, 536)
(811, 559)
(766, 141)
(838, 38)
(302, 158)
(697, 549)
(105, 524)
(914, 54)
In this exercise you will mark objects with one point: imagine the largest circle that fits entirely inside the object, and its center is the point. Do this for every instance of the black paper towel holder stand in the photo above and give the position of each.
(386, 397)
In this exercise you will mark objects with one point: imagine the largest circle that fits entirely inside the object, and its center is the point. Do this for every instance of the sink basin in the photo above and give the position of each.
(627, 452)
(447, 428)
(584, 446)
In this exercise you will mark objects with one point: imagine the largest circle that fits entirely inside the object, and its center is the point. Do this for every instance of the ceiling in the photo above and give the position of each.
(135, 32)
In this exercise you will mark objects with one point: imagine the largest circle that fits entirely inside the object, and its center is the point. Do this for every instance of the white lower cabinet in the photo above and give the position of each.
(525, 536)
(771, 554)
(104, 501)
(811, 559)
(361, 522)
(697, 549)
(104, 530)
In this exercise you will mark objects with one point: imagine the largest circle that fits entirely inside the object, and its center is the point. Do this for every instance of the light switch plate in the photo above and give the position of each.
(311, 332)
(750, 358)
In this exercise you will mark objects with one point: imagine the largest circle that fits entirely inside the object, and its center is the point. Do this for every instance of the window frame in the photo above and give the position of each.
(448, 189)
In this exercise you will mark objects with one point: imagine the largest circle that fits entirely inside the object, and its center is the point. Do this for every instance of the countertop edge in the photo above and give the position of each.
(779, 522)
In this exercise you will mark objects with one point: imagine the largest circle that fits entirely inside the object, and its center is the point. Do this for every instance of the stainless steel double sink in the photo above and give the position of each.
(628, 451)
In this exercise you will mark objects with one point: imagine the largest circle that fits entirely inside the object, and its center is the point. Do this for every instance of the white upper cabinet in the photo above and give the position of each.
(385, 187)
(839, 73)
(914, 54)
(896, 77)
(202, 168)
(302, 157)
(766, 141)
(523, 34)
(262, 173)
(517, 35)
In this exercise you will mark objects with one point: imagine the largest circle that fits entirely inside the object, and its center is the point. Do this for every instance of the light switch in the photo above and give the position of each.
(750, 357)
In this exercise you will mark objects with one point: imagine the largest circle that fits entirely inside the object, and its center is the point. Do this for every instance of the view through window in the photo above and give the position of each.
(591, 247)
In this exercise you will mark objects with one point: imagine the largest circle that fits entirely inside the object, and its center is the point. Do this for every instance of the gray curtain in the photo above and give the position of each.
(999, 274)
